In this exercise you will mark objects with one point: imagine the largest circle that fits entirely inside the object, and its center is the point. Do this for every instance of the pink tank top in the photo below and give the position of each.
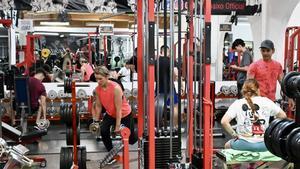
(107, 97)
(88, 72)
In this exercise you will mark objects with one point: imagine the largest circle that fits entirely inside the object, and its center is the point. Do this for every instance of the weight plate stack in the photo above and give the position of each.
(66, 157)
(279, 135)
(292, 145)
(66, 116)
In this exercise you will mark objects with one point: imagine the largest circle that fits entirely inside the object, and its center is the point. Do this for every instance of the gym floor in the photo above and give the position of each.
(49, 147)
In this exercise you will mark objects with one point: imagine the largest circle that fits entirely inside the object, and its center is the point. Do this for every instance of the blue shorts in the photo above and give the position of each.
(241, 144)
(175, 99)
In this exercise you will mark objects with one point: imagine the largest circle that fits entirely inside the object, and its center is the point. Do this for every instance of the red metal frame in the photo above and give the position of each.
(6, 22)
(125, 133)
(140, 49)
(29, 52)
(291, 34)
(208, 137)
(105, 50)
(151, 113)
(190, 75)
(75, 159)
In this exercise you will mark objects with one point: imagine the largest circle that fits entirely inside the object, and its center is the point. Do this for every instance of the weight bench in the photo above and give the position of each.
(17, 136)
(262, 159)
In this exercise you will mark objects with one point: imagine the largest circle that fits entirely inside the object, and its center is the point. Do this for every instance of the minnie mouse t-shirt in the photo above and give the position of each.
(242, 113)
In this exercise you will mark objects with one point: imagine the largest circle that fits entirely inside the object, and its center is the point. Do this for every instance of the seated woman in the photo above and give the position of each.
(252, 114)
(109, 95)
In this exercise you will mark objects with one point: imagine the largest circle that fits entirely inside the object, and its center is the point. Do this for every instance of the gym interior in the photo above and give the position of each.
(184, 84)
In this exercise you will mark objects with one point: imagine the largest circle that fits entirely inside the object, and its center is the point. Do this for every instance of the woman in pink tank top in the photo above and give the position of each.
(109, 95)
(86, 69)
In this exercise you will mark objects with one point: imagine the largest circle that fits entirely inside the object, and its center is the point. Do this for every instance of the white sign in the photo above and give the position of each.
(25, 25)
(106, 29)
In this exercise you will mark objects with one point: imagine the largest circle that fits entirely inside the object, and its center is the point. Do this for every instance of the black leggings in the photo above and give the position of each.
(107, 122)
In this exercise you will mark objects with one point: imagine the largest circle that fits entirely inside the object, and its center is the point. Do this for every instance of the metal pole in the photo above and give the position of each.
(179, 73)
(171, 76)
(145, 82)
(195, 77)
(157, 66)
(208, 145)
(201, 73)
(165, 55)
(140, 69)
(151, 70)
(188, 100)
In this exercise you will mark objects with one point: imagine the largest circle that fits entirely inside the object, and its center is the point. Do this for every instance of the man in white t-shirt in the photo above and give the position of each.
(125, 73)
(252, 115)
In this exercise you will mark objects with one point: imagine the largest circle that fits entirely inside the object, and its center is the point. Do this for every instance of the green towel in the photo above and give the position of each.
(248, 156)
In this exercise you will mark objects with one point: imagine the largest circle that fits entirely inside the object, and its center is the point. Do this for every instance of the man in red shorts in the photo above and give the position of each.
(267, 72)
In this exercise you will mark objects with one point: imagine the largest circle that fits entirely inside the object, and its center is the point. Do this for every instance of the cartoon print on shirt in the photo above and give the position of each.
(253, 119)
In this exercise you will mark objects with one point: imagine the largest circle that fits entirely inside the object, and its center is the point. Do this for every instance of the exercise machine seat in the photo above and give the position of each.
(16, 135)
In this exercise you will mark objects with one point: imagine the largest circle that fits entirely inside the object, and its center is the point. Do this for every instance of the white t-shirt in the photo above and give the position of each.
(241, 112)
(126, 73)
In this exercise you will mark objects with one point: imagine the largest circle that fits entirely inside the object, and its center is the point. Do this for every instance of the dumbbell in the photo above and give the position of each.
(43, 124)
(95, 128)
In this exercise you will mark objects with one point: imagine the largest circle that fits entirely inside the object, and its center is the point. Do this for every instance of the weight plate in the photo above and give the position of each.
(225, 90)
(82, 157)
(79, 155)
(268, 134)
(127, 93)
(66, 157)
(81, 93)
(52, 94)
(293, 145)
(61, 94)
(134, 92)
(69, 136)
(233, 89)
(284, 85)
(62, 111)
(159, 106)
(279, 137)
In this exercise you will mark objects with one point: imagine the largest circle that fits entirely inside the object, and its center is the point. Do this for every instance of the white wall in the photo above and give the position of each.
(272, 24)
(295, 19)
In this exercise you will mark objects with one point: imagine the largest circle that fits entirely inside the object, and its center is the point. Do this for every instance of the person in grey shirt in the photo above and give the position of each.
(239, 46)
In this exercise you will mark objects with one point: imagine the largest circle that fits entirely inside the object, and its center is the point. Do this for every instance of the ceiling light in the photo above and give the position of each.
(46, 33)
(78, 34)
(55, 23)
(92, 24)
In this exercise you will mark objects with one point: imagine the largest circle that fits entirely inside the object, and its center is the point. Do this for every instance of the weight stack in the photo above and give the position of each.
(162, 152)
